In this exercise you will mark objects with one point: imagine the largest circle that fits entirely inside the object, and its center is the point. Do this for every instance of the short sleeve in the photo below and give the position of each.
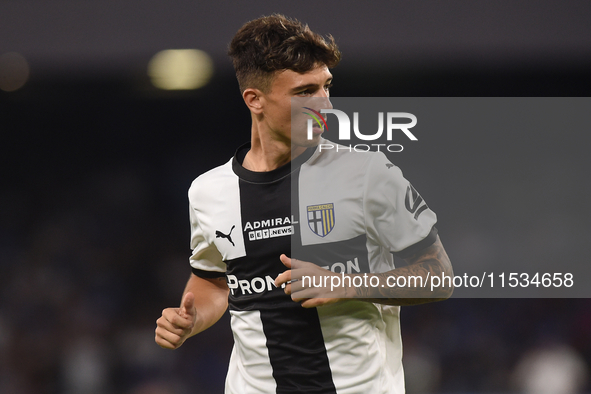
(206, 261)
(396, 215)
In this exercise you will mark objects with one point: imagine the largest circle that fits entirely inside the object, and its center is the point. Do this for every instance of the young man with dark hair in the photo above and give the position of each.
(245, 222)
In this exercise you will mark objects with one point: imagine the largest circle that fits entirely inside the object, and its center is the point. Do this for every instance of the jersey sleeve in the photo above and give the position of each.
(396, 215)
(206, 261)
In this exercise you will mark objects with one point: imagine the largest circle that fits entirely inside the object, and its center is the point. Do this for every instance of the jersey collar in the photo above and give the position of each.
(267, 176)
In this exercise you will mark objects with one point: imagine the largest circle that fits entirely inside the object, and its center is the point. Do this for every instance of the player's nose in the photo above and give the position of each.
(322, 100)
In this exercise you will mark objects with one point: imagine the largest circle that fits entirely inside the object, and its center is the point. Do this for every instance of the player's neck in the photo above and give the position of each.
(267, 153)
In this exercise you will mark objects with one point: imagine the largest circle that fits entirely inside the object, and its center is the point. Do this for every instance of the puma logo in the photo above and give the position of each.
(219, 234)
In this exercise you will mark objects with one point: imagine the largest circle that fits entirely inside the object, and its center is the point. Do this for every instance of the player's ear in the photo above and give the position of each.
(252, 98)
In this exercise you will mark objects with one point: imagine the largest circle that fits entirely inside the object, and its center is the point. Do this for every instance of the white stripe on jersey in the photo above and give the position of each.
(364, 347)
(250, 354)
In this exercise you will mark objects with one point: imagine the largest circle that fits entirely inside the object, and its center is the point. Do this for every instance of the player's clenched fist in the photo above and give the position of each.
(176, 324)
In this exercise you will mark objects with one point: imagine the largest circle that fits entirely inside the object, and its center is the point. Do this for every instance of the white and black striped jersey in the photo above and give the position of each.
(347, 211)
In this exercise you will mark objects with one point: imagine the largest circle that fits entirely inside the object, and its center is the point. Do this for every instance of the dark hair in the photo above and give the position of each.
(274, 43)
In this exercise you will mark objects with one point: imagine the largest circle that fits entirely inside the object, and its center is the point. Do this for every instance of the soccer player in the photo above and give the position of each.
(252, 215)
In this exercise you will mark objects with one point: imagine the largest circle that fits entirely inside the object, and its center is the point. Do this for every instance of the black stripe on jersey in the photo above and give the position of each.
(295, 342)
(264, 196)
(260, 202)
(327, 254)
(208, 274)
(298, 356)
(422, 244)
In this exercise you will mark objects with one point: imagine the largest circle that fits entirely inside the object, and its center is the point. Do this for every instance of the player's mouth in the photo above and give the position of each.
(317, 130)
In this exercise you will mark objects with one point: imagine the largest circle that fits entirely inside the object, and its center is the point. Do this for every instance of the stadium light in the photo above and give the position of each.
(180, 69)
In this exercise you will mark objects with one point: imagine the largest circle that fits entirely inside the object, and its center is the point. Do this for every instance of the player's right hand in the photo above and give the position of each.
(176, 324)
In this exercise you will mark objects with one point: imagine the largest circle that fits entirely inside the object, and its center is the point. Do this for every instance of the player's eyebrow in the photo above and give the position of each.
(310, 85)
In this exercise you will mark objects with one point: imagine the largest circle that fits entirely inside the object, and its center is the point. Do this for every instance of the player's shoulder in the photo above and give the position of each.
(212, 181)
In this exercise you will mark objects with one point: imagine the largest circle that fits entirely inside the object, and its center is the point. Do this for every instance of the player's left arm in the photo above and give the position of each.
(423, 266)
(381, 288)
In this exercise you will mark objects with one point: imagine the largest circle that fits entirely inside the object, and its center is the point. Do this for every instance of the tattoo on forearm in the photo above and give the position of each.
(429, 262)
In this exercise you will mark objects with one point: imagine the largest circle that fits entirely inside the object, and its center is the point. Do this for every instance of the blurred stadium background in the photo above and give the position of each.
(96, 161)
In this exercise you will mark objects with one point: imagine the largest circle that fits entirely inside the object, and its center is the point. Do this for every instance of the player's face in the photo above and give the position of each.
(313, 85)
